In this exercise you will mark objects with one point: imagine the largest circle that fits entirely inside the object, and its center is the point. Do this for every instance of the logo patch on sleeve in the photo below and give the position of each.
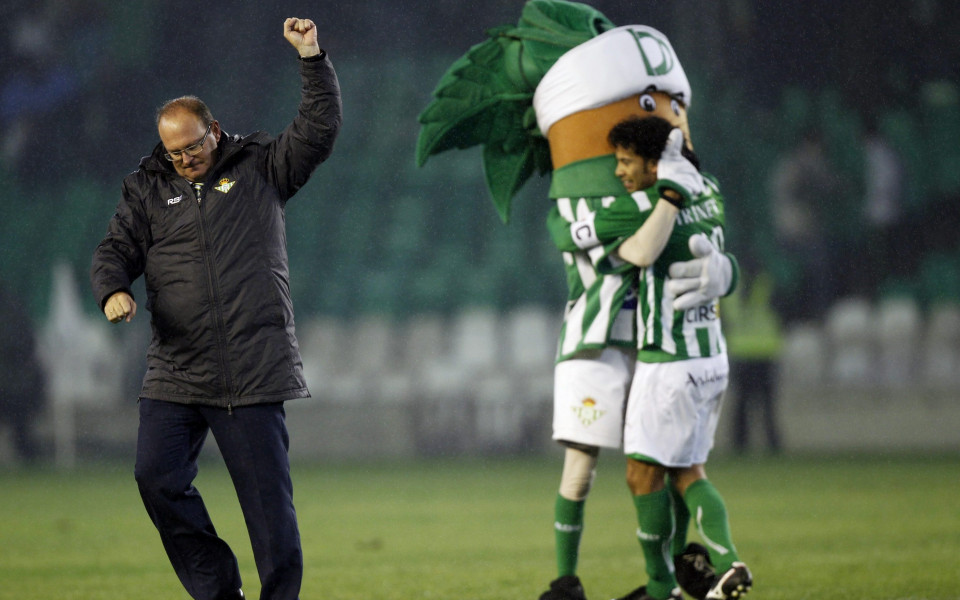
(224, 185)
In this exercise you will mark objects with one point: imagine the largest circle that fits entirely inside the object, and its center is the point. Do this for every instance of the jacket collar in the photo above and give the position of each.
(228, 147)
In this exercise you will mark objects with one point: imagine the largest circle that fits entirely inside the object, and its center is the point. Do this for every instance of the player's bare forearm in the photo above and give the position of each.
(644, 247)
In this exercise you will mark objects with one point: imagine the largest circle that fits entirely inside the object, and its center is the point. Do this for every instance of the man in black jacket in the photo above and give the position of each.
(202, 220)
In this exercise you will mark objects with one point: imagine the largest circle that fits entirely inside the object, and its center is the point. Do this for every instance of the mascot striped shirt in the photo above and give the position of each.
(601, 299)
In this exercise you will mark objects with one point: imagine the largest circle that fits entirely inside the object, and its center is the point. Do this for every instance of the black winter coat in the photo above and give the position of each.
(216, 271)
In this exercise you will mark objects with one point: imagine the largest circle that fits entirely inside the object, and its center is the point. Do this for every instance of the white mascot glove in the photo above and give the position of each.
(701, 280)
(675, 172)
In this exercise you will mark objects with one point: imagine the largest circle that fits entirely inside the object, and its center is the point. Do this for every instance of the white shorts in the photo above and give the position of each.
(589, 396)
(673, 410)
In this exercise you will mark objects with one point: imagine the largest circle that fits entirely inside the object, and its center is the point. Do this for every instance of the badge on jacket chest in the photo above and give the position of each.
(224, 185)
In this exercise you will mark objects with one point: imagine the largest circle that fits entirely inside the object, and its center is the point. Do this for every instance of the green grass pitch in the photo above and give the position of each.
(810, 527)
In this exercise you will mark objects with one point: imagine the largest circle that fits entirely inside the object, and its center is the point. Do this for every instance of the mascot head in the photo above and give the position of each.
(546, 92)
(630, 71)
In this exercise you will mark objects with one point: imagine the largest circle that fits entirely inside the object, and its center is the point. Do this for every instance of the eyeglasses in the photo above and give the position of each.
(191, 150)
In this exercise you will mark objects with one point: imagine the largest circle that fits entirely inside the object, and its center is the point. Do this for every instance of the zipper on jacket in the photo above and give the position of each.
(230, 409)
(226, 379)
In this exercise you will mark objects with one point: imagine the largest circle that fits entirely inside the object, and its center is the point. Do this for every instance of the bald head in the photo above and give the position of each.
(189, 104)
(190, 136)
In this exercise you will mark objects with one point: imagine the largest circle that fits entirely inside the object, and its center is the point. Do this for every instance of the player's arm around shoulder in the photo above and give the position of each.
(645, 245)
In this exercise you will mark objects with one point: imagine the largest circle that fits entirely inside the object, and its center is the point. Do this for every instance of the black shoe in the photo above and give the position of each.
(641, 594)
(735, 583)
(567, 587)
(695, 573)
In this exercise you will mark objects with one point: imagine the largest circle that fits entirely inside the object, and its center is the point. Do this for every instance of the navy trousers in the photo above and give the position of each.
(254, 443)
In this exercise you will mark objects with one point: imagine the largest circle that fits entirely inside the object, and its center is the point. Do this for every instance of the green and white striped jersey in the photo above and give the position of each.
(663, 334)
(601, 298)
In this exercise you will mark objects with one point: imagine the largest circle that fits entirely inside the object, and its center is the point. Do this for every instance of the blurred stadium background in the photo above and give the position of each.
(427, 327)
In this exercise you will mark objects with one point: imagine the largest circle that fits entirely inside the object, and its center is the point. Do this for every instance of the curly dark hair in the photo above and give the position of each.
(646, 137)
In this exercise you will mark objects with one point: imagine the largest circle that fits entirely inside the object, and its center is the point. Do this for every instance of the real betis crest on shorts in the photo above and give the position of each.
(587, 411)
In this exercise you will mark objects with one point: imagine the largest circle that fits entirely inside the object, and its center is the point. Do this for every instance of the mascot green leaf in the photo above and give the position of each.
(486, 97)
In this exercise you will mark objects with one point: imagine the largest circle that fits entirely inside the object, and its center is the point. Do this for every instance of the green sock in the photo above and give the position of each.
(568, 527)
(710, 515)
(655, 532)
(682, 518)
